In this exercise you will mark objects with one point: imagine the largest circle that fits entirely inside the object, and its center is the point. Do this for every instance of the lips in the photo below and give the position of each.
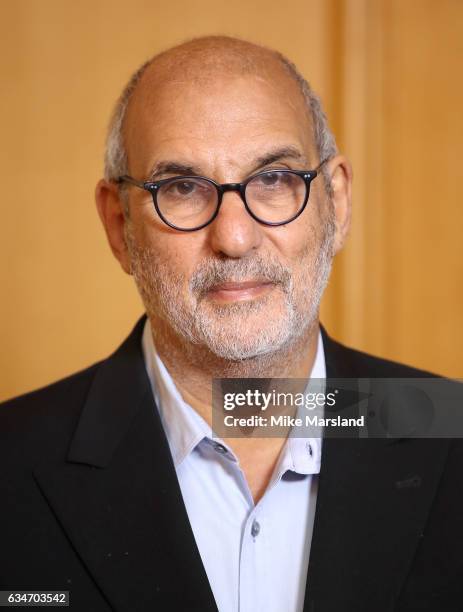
(240, 286)
(239, 291)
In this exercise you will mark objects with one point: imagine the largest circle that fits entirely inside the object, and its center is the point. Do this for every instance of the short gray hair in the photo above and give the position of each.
(116, 161)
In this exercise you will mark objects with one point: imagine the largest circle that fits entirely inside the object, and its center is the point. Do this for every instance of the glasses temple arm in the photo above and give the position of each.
(317, 169)
(128, 179)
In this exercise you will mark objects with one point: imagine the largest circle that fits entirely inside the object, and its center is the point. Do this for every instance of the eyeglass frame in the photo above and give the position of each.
(154, 186)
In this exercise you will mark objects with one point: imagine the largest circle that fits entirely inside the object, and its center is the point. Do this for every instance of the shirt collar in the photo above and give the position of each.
(185, 428)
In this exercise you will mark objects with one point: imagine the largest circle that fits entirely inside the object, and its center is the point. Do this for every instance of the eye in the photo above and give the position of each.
(273, 180)
(270, 178)
(182, 188)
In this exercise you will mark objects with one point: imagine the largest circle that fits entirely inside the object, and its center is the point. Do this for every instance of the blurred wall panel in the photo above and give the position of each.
(389, 75)
(398, 286)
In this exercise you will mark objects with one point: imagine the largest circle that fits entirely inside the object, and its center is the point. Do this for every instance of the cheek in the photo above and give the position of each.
(295, 242)
(176, 251)
(312, 232)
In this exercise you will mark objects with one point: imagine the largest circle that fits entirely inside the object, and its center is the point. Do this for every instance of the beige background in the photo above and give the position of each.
(389, 72)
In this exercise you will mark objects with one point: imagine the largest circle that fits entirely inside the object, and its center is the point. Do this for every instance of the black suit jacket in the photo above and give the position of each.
(90, 503)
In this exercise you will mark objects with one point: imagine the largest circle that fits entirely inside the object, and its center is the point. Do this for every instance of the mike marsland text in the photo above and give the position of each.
(310, 420)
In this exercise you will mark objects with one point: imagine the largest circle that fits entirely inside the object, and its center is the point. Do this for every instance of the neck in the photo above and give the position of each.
(193, 366)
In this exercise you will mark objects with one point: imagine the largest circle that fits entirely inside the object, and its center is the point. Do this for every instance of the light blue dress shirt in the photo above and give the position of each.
(255, 556)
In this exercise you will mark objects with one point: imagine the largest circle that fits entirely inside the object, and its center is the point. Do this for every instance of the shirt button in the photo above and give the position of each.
(255, 528)
(309, 449)
(220, 448)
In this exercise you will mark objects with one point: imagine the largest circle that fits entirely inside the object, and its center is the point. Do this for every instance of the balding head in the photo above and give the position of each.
(204, 57)
(203, 61)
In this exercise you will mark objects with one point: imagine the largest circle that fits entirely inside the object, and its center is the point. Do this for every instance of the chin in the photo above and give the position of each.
(250, 338)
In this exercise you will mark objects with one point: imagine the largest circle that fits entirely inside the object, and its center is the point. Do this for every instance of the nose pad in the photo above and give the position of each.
(234, 232)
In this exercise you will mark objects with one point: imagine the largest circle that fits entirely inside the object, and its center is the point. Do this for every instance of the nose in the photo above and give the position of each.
(234, 232)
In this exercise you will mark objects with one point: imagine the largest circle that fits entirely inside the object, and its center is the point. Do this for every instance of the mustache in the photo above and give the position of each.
(213, 272)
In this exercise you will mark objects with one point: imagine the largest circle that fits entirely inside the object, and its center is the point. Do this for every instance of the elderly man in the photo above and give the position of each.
(225, 197)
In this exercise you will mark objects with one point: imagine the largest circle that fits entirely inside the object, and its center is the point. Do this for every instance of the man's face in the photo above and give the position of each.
(236, 286)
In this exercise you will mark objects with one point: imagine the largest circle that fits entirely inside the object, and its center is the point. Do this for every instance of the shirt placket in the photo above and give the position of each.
(252, 563)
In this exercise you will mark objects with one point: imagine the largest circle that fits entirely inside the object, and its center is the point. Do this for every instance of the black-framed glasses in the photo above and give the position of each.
(189, 203)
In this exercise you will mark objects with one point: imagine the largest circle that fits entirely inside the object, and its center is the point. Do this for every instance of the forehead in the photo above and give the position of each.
(216, 116)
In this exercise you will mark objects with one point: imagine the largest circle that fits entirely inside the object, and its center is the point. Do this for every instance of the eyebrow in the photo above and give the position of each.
(179, 169)
(172, 167)
(288, 152)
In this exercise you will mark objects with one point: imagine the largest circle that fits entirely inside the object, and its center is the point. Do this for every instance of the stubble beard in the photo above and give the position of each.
(242, 337)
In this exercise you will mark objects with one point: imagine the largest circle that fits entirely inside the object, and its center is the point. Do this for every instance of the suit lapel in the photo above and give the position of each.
(117, 495)
(373, 500)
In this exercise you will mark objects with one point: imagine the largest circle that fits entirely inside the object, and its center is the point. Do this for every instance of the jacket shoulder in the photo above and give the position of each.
(346, 361)
(387, 367)
(42, 423)
(51, 391)
(48, 413)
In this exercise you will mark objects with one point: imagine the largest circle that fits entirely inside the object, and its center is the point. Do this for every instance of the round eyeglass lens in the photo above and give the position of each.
(276, 196)
(187, 202)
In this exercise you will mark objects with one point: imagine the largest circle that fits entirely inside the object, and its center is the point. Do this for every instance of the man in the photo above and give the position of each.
(225, 197)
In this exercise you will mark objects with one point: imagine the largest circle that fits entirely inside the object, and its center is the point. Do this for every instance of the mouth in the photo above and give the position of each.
(240, 291)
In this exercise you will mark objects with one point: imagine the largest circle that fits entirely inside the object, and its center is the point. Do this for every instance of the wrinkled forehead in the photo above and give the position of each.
(203, 94)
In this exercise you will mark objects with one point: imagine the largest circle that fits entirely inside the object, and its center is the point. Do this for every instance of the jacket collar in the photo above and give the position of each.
(118, 390)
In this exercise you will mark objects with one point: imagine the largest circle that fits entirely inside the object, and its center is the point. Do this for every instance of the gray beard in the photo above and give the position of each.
(217, 332)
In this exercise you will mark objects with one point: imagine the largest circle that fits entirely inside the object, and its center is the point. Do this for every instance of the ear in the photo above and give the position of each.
(111, 211)
(340, 170)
